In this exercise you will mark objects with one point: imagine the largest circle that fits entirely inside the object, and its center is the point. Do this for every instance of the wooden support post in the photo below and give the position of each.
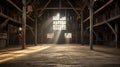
(91, 23)
(76, 31)
(82, 28)
(36, 29)
(24, 25)
(116, 35)
(115, 32)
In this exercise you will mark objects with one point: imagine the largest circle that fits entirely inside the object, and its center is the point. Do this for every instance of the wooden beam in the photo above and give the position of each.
(111, 28)
(116, 35)
(30, 18)
(115, 31)
(106, 21)
(24, 25)
(18, 8)
(109, 2)
(105, 5)
(22, 12)
(82, 28)
(41, 12)
(73, 8)
(86, 19)
(31, 29)
(91, 23)
(4, 23)
(5, 16)
(14, 5)
(6, 20)
(94, 33)
(57, 8)
(96, 36)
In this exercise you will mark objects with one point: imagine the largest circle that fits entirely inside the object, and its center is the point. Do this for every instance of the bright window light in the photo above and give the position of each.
(50, 35)
(68, 35)
(59, 23)
(63, 18)
(58, 14)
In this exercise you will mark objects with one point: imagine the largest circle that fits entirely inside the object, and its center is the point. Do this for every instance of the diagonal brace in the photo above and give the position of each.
(41, 12)
(111, 28)
(73, 8)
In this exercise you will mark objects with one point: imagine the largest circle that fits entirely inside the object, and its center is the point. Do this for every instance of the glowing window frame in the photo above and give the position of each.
(68, 35)
(50, 35)
(59, 23)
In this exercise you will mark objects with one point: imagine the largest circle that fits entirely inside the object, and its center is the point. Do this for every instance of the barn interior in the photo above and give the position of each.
(67, 29)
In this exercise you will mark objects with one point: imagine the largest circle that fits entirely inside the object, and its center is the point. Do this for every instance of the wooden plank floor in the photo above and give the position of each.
(62, 55)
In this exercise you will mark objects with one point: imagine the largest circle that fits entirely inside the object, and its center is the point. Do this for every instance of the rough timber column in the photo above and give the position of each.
(36, 20)
(91, 23)
(82, 28)
(24, 25)
(116, 35)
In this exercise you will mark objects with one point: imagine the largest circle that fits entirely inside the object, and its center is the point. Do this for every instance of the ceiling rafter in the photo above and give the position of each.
(19, 9)
(41, 12)
(56, 8)
(73, 8)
